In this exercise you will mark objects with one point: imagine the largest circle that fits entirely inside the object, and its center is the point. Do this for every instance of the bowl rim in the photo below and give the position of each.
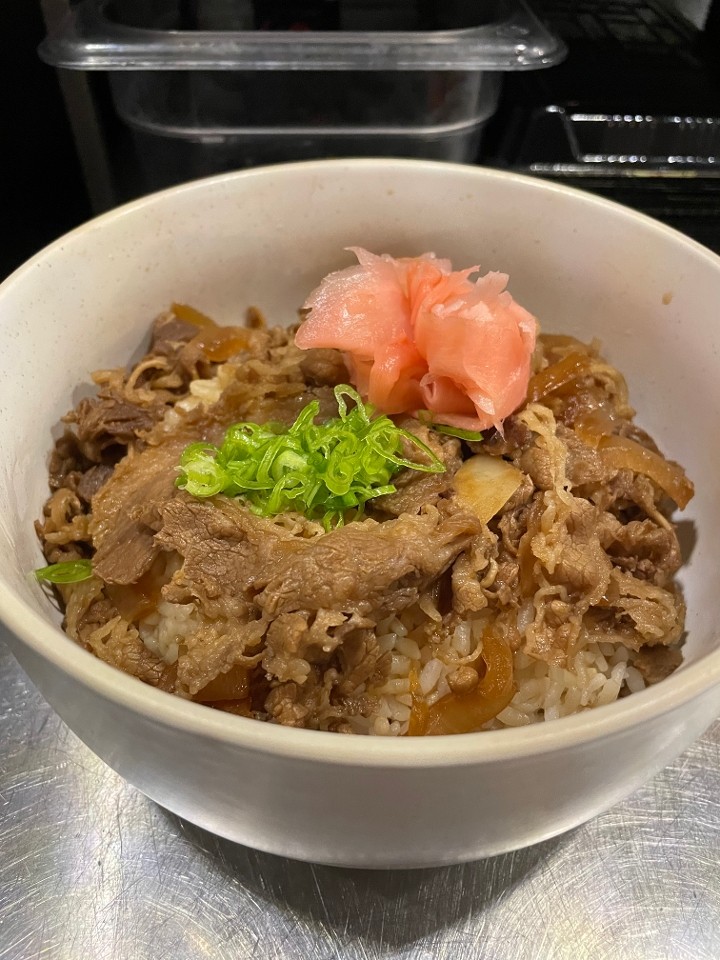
(509, 744)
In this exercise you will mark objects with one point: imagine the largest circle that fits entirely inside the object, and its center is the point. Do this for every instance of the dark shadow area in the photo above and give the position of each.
(687, 537)
(42, 194)
(392, 908)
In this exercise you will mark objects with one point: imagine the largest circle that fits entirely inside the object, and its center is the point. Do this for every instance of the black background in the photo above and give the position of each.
(41, 188)
(42, 193)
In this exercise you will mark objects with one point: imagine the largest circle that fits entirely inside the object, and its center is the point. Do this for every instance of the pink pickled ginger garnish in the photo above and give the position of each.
(417, 334)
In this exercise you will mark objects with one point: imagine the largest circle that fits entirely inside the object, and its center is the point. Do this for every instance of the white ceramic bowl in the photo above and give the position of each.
(583, 266)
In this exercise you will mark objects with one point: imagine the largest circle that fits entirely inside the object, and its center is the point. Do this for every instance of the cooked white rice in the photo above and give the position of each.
(594, 676)
(171, 624)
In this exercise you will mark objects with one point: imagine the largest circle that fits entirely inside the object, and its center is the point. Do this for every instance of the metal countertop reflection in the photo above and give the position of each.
(91, 869)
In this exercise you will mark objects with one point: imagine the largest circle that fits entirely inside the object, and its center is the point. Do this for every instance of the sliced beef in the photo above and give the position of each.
(90, 482)
(368, 567)
(325, 699)
(233, 558)
(588, 563)
(584, 464)
(285, 409)
(229, 554)
(567, 559)
(304, 705)
(110, 420)
(581, 464)
(656, 663)
(120, 645)
(284, 704)
(587, 399)
(125, 545)
(63, 529)
(416, 489)
(505, 586)
(642, 548)
(645, 615)
(168, 331)
(213, 651)
(628, 496)
(361, 661)
(67, 463)
(126, 508)
(469, 572)
(70, 470)
(322, 367)
(297, 640)
(515, 438)
(245, 400)
(175, 341)
(510, 524)
(92, 619)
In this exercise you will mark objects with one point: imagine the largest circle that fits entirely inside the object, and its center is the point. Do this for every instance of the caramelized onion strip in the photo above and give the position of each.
(558, 375)
(468, 712)
(622, 453)
(233, 685)
(217, 343)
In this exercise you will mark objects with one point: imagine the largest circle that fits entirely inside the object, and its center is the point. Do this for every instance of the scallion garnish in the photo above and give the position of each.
(426, 418)
(69, 571)
(457, 432)
(321, 470)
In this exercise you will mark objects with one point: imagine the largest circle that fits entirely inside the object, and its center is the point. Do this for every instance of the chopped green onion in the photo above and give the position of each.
(457, 432)
(425, 417)
(320, 470)
(69, 571)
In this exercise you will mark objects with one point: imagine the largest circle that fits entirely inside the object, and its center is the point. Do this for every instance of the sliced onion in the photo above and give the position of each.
(593, 425)
(561, 341)
(484, 484)
(220, 344)
(217, 343)
(134, 601)
(468, 712)
(622, 453)
(188, 314)
(557, 375)
(233, 685)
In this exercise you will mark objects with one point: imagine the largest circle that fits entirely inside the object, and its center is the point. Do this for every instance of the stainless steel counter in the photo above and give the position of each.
(92, 870)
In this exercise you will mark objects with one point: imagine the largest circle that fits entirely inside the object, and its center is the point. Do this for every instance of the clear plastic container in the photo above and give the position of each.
(233, 101)
(228, 98)
(99, 35)
(166, 160)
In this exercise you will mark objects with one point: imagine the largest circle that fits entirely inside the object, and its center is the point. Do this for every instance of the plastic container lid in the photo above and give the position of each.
(88, 39)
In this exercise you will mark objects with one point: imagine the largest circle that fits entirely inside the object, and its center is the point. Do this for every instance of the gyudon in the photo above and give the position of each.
(410, 514)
